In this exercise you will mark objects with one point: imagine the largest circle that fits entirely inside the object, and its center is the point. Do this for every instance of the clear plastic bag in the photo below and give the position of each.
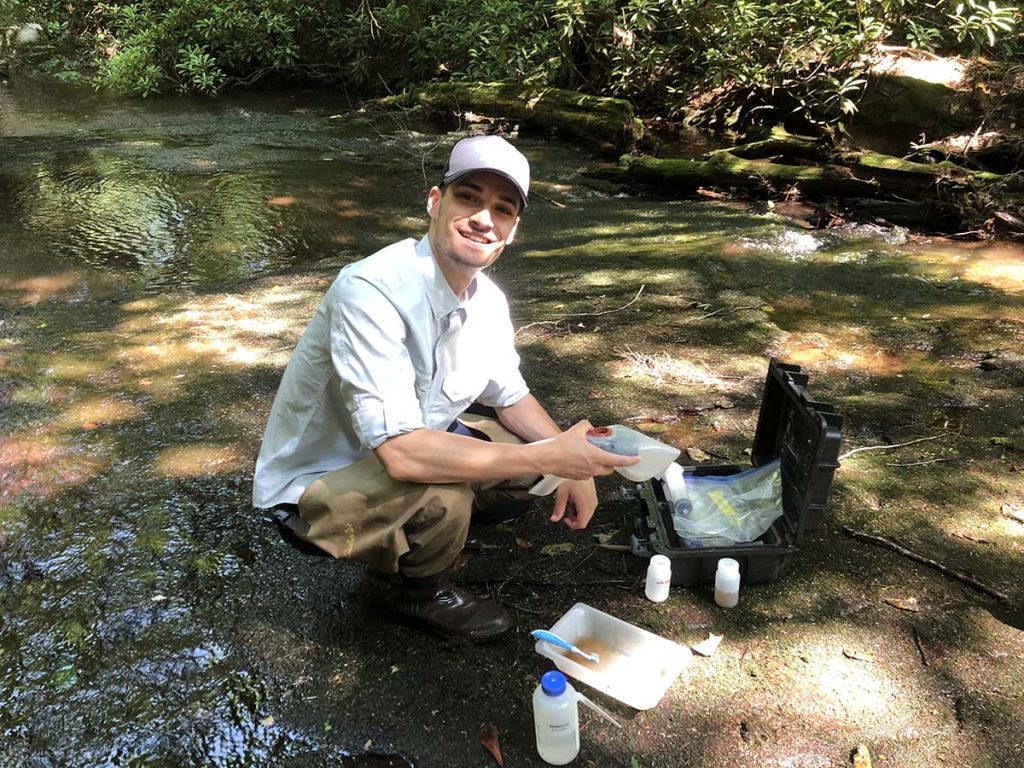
(722, 510)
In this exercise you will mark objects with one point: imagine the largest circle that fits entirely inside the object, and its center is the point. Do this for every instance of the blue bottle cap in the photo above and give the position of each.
(553, 683)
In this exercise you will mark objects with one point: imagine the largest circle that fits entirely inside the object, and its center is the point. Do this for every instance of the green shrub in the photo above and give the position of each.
(730, 63)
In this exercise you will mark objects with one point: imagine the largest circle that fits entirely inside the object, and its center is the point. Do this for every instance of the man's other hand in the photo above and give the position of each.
(575, 502)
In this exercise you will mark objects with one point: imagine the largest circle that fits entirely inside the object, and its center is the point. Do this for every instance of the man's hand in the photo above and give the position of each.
(575, 502)
(572, 456)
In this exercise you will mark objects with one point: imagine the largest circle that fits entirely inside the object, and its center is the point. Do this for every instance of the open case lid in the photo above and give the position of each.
(806, 434)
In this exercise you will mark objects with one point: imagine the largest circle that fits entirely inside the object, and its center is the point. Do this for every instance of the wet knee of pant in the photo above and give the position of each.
(440, 511)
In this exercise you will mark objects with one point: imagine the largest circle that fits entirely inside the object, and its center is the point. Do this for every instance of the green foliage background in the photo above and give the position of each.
(721, 62)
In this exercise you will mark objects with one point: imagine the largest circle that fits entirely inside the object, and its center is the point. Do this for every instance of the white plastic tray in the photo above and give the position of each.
(636, 667)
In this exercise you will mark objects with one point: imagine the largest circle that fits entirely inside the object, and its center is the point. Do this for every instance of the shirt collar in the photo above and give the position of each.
(442, 298)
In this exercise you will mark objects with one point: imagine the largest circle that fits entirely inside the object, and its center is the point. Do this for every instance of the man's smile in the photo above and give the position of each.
(475, 237)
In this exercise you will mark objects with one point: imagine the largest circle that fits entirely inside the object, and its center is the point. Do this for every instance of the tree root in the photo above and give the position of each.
(943, 569)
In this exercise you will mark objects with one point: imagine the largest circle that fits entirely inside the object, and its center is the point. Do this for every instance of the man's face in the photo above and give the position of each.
(472, 221)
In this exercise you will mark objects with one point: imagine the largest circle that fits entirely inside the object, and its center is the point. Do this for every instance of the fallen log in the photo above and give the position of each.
(608, 125)
(991, 151)
(723, 169)
(780, 143)
(910, 179)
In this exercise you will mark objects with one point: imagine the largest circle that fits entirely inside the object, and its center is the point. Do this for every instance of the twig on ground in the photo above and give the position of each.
(483, 580)
(518, 607)
(727, 310)
(943, 569)
(616, 547)
(922, 463)
(584, 314)
(555, 203)
(580, 562)
(894, 445)
(920, 648)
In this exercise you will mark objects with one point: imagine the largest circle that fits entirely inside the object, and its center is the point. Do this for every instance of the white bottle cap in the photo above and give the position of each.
(728, 566)
(660, 563)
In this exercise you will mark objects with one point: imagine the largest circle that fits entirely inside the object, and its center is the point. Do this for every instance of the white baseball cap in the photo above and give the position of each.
(489, 153)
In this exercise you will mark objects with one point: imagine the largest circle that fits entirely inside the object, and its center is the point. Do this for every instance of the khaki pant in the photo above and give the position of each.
(359, 513)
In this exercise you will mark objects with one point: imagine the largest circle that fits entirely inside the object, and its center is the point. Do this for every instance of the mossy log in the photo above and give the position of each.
(907, 178)
(773, 164)
(780, 144)
(608, 125)
(723, 169)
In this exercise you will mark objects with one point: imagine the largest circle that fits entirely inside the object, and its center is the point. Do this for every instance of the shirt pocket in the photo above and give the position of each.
(463, 386)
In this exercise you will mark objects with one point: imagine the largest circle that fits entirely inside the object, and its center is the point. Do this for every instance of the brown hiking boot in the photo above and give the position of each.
(450, 611)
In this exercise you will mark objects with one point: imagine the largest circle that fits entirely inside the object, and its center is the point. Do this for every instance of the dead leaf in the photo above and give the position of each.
(1013, 512)
(858, 655)
(862, 757)
(709, 646)
(722, 403)
(266, 722)
(564, 548)
(282, 200)
(604, 538)
(696, 454)
(475, 545)
(368, 744)
(461, 559)
(524, 543)
(596, 394)
(910, 604)
(489, 740)
(90, 425)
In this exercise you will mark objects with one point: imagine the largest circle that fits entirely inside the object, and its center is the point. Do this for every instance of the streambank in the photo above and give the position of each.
(962, 181)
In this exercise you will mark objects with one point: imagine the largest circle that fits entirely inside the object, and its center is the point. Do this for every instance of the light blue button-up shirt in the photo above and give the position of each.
(391, 349)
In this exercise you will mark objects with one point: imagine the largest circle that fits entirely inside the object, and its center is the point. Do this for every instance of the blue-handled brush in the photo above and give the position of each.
(551, 637)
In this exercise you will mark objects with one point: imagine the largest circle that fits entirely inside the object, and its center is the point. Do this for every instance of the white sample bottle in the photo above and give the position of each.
(727, 583)
(556, 719)
(674, 484)
(659, 578)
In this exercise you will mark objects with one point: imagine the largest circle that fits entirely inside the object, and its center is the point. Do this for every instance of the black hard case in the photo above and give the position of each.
(806, 434)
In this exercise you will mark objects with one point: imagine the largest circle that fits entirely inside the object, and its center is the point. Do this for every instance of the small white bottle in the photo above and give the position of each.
(659, 579)
(727, 583)
(556, 719)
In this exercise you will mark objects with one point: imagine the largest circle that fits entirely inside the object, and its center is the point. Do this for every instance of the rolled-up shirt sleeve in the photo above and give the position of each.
(378, 380)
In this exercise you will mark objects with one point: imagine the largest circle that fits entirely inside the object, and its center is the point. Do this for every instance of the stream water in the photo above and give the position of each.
(158, 258)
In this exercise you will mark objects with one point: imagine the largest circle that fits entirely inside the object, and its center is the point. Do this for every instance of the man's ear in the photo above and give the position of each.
(433, 200)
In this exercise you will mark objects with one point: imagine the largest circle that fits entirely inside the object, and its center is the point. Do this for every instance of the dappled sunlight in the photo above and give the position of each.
(73, 367)
(830, 351)
(93, 413)
(1003, 274)
(45, 287)
(624, 279)
(148, 304)
(197, 460)
(226, 329)
(41, 465)
(851, 690)
(985, 523)
(922, 66)
(662, 368)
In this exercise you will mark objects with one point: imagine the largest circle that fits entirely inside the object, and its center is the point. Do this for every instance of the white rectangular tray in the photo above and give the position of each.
(636, 667)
